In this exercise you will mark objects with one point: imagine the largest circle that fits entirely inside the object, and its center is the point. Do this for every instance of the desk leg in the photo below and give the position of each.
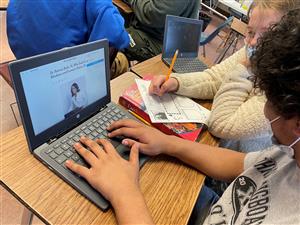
(27, 217)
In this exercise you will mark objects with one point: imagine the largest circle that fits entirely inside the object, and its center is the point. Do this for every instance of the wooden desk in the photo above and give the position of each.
(156, 66)
(123, 6)
(170, 187)
(3, 4)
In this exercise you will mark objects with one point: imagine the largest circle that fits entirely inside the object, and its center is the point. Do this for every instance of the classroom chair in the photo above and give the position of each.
(207, 38)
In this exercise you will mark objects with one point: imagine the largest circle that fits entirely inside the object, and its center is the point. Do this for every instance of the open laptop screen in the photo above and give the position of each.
(182, 34)
(57, 90)
(64, 88)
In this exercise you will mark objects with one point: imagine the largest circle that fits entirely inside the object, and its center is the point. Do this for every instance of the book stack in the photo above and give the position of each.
(132, 100)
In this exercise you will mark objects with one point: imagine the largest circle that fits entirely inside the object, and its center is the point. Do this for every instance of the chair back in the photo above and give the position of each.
(216, 31)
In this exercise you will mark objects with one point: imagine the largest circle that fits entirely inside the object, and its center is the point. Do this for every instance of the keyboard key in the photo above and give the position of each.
(94, 133)
(92, 128)
(99, 130)
(65, 146)
(56, 146)
(83, 128)
(61, 159)
(87, 131)
(68, 153)
(95, 120)
(77, 131)
(89, 124)
(81, 134)
(64, 141)
(96, 124)
(59, 151)
(71, 136)
(76, 138)
(53, 155)
(75, 157)
(71, 142)
(49, 150)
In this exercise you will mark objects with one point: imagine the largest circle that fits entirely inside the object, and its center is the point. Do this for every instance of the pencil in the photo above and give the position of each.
(172, 65)
(140, 118)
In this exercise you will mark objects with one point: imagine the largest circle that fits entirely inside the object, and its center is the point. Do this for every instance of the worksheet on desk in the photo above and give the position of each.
(171, 108)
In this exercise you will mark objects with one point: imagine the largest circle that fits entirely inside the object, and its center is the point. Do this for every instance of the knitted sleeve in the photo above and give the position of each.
(204, 85)
(236, 112)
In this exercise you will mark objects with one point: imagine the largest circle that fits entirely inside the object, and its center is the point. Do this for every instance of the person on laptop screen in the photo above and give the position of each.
(78, 98)
(237, 111)
(265, 185)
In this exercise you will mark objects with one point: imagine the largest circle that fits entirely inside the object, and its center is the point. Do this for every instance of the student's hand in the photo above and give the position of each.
(109, 173)
(159, 85)
(150, 140)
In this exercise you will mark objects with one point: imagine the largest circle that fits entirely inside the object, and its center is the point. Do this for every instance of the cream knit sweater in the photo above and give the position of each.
(237, 112)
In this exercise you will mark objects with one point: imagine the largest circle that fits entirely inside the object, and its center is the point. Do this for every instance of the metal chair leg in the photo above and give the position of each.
(27, 217)
(225, 50)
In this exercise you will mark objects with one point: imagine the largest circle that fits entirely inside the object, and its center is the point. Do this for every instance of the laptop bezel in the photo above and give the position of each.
(170, 18)
(55, 131)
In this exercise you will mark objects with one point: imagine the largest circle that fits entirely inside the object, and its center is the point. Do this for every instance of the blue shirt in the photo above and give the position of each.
(35, 27)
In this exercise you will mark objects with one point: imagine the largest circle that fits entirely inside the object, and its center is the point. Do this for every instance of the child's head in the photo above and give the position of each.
(276, 65)
(263, 14)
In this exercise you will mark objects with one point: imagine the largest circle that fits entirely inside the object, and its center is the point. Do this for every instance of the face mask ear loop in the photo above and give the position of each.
(273, 120)
(295, 142)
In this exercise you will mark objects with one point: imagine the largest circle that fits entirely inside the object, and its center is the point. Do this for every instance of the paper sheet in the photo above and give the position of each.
(171, 108)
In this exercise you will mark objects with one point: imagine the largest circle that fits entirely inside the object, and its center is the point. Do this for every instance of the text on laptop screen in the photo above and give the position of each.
(61, 89)
(182, 36)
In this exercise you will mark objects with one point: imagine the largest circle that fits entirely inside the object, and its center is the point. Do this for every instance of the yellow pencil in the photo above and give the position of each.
(172, 65)
(140, 118)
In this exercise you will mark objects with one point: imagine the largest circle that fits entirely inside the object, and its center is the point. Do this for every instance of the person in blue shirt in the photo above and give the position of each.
(35, 27)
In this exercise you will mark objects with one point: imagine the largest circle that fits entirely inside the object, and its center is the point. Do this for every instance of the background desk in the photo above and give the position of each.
(3, 4)
(123, 6)
(170, 187)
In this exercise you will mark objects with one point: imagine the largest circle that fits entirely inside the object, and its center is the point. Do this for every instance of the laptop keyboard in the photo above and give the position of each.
(94, 128)
(186, 65)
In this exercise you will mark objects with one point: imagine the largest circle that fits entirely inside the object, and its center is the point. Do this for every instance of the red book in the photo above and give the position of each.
(132, 100)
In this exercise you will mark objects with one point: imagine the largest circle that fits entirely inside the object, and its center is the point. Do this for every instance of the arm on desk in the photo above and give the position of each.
(216, 162)
(204, 85)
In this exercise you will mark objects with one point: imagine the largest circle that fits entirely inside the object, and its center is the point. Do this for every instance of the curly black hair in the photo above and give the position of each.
(276, 65)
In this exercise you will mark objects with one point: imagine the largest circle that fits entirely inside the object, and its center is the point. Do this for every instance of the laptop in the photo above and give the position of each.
(183, 34)
(63, 95)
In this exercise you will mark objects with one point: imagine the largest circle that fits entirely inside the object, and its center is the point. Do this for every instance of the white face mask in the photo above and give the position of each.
(250, 50)
(274, 139)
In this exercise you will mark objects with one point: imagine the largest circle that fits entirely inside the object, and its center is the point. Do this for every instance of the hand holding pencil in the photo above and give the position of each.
(163, 83)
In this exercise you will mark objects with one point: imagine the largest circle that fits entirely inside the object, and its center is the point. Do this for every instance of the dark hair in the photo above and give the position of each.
(276, 65)
(75, 85)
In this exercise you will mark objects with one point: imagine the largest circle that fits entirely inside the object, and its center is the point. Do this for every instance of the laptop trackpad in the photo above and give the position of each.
(124, 151)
